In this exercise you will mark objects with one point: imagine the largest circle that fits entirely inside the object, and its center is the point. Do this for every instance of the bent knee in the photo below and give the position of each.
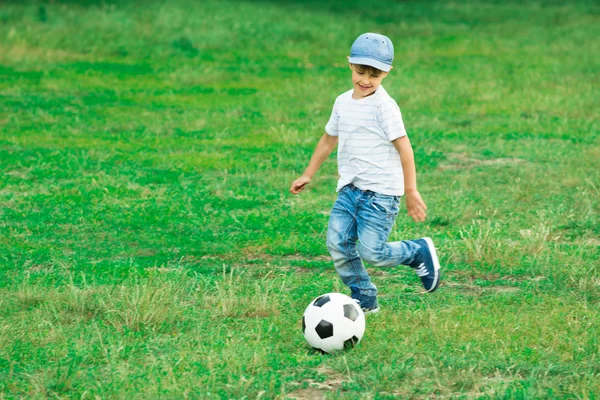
(337, 247)
(375, 257)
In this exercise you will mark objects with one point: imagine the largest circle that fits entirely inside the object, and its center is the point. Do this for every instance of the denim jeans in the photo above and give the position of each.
(359, 226)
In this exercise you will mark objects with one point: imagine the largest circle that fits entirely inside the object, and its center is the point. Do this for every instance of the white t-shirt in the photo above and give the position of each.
(365, 128)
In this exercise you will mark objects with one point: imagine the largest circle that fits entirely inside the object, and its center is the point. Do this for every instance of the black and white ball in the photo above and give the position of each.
(333, 322)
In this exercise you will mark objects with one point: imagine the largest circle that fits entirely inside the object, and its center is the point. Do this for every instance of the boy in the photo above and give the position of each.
(376, 167)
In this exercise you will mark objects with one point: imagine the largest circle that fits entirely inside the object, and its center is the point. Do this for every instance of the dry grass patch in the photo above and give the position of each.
(240, 293)
(137, 303)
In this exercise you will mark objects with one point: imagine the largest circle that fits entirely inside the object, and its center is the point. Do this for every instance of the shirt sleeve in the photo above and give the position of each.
(332, 125)
(390, 120)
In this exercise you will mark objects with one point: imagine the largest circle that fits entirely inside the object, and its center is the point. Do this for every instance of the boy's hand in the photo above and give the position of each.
(299, 184)
(416, 206)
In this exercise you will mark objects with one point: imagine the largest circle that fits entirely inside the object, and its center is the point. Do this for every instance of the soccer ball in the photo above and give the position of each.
(333, 322)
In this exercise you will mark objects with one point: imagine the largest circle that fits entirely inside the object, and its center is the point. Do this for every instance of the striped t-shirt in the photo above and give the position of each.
(365, 128)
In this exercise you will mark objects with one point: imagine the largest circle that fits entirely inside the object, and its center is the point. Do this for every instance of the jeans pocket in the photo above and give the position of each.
(385, 204)
(378, 206)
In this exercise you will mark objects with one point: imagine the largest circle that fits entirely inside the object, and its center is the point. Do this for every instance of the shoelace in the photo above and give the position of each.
(421, 270)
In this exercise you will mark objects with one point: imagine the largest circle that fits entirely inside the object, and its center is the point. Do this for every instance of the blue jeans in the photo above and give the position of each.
(359, 226)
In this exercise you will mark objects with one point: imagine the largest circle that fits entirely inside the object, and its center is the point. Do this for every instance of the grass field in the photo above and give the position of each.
(149, 247)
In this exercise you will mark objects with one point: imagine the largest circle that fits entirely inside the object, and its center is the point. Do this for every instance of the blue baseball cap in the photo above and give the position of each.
(373, 49)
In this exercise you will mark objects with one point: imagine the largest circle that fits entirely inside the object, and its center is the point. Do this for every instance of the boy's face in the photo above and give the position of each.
(365, 82)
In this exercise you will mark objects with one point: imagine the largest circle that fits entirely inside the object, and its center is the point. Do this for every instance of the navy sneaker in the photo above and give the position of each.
(427, 265)
(368, 304)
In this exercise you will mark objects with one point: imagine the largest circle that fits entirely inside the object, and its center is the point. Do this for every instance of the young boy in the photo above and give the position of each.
(376, 167)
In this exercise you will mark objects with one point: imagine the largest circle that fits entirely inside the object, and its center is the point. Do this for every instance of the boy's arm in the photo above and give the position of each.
(324, 148)
(414, 203)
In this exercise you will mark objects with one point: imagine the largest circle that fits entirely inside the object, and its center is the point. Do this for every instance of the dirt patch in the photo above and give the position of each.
(382, 271)
(306, 258)
(298, 270)
(306, 394)
(21, 174)
(40, 268)
(317, 390)
(589, 242)
(291, 258)
(22, 51)
(161, 269)
(472, 276)
(499, 283)
(253, 254)
(462, 161)
(481, 289)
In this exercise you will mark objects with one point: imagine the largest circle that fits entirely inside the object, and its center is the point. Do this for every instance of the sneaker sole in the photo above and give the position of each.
(373, 311)
(436, 263)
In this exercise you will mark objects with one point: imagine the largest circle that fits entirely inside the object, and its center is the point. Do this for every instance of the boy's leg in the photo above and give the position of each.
(376, 216)
(341, 242)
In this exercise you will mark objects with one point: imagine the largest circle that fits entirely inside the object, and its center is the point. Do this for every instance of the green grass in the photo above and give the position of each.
(149, 247)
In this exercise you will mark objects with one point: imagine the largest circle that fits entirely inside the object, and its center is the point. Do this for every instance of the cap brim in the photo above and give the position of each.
(371, 62)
